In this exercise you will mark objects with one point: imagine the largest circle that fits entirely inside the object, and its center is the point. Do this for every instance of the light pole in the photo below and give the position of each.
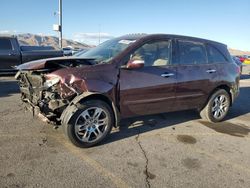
(60, 23)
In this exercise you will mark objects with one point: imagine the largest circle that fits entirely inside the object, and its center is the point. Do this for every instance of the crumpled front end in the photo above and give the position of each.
(44, 94)
(48, 87)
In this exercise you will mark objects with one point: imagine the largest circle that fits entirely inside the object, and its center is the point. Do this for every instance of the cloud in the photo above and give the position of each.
(92, 35)
(8, 32)
(91, 38)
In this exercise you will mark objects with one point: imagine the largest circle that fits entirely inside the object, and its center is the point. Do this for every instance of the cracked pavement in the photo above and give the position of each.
(168, 150)
(146, 171)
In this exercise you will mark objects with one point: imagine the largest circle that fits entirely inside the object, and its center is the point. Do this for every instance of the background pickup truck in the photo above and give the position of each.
(11, 54)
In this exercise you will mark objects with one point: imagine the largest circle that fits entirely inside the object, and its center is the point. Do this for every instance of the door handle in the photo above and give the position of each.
(211, 71)
(167, 75)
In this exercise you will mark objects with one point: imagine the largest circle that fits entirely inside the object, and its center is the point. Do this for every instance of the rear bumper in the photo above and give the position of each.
(235, 91)
(234, 95)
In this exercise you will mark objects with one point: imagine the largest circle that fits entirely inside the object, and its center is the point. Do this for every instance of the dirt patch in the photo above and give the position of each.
(132, 164)
(10, 111)
(29, 156)
(44, 141)
(10, 175)
(187, 139)
(191, 163)
(228, 128)
(149, 174)
(241, 181)
(130, 150)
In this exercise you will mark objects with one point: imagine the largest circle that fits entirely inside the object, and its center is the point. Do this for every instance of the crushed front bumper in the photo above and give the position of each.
(43, 102)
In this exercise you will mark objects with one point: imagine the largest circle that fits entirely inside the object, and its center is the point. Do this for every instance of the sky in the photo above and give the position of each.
(226, 21)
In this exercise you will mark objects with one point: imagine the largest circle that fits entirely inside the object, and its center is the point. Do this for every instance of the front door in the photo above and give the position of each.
(149, 89)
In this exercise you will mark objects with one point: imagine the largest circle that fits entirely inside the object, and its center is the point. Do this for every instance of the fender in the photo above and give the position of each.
(74, 106)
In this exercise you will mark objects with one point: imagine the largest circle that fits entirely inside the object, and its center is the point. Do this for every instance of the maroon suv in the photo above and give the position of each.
(129, 76)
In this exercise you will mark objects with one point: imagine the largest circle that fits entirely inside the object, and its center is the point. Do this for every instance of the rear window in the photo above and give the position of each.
(5, 44)
(214, 55)
(192, 52)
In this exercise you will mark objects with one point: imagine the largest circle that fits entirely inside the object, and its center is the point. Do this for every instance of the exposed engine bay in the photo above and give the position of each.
(67, 63)
(46, 93)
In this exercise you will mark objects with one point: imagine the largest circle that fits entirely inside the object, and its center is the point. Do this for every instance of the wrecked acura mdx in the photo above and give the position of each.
(129, 76)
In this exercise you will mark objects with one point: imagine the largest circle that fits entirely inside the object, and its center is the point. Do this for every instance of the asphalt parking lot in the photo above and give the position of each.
(168, 150)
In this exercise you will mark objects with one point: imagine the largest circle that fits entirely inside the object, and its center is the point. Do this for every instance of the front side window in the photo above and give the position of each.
(153, 53)
(214, 55)
(192, 52)
(5, 44)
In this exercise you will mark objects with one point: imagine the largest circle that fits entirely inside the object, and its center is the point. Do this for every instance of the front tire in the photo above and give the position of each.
(217, 106)
(90, 124)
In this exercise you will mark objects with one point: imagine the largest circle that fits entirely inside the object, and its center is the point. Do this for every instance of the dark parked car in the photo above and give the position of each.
(11, 54)
(130, 76)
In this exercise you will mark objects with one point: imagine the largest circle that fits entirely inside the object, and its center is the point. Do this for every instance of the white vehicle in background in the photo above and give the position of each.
(67, 51)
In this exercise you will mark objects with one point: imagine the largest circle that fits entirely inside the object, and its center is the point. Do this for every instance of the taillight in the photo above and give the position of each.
(238, 69)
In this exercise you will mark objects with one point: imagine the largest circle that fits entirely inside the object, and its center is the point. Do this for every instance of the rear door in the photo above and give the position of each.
(150, 89)
(195, 76)
(9, 56)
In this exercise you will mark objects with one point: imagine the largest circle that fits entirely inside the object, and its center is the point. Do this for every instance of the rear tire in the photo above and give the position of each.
(217, 106)
(90, 124)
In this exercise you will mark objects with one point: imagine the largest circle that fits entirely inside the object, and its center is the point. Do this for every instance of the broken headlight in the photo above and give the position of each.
(51, 81)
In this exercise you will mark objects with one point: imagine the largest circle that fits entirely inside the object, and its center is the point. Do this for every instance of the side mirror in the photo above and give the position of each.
(135, 64)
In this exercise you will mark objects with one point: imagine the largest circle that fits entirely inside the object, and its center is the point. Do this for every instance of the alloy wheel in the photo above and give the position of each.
(91, 124)
(220, 106)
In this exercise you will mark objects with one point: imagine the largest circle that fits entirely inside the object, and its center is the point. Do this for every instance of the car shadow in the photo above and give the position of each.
(8, 87)
(134, 126)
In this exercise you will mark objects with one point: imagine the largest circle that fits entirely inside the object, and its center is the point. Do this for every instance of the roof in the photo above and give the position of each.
(148, 36)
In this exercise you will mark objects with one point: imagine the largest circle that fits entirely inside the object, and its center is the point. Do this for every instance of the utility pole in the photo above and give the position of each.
(60, 23)
(58, 27)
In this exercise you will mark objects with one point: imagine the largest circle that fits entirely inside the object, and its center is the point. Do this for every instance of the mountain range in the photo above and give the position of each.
(29, 39)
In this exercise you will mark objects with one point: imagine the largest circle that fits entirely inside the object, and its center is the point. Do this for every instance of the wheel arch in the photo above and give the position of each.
(74, 106)
(222, 86)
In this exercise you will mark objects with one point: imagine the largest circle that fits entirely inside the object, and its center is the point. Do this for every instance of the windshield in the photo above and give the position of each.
(107, 50)
(79, 53)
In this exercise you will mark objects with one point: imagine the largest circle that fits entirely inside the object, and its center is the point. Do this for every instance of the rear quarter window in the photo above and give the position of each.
(214, 55)
(192, 52)
(5, 44)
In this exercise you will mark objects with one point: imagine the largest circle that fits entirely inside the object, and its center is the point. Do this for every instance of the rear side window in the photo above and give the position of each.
(192, 52)
(5, 44)
(214, 55)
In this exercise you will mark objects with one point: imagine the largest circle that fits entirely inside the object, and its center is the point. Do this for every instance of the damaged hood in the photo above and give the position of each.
(40, 64)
